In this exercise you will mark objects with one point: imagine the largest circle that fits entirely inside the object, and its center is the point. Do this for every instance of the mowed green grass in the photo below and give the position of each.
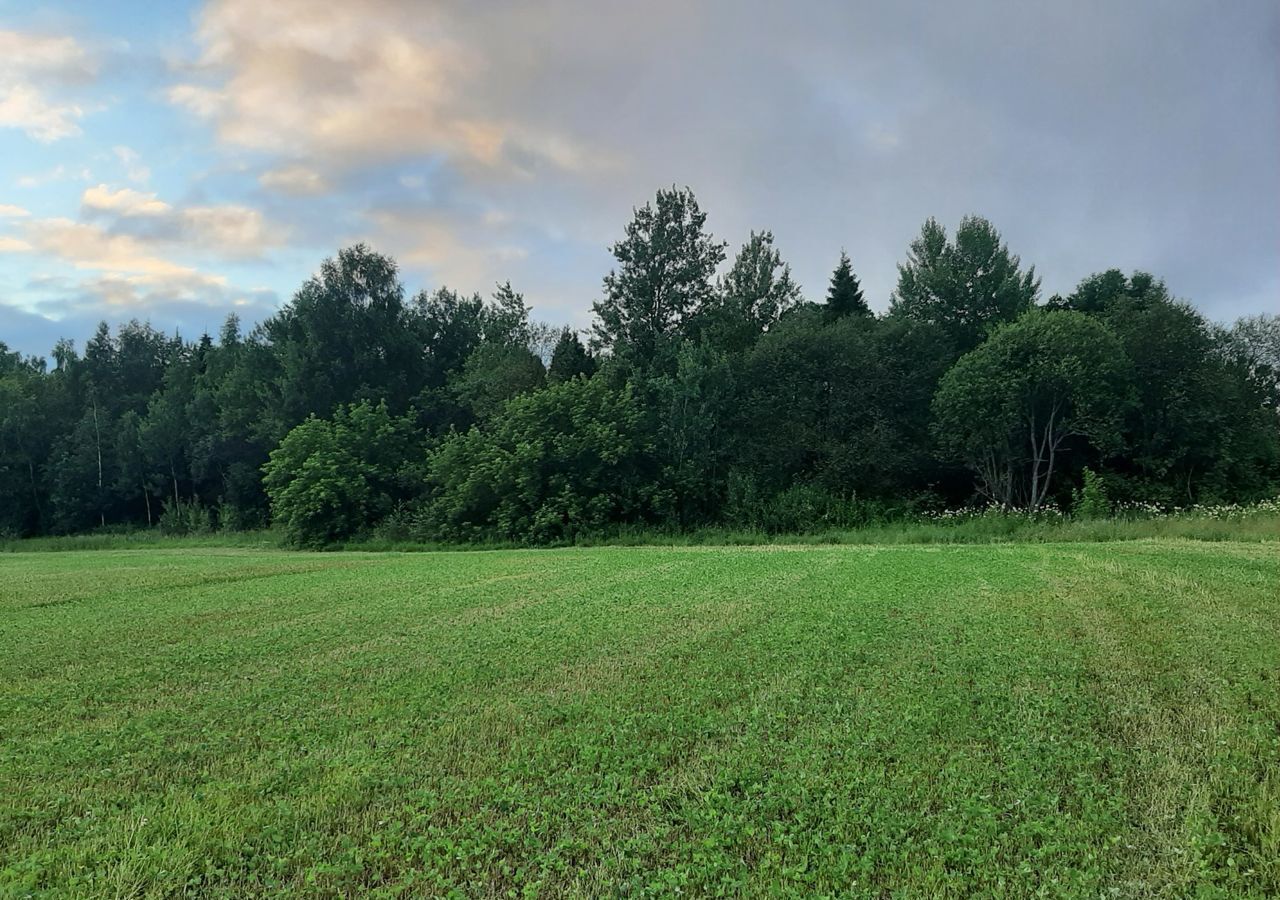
(1014, 720)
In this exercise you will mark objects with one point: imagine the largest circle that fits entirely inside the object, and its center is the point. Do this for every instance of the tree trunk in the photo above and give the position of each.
(174, 472)
(97, 439)
(35, 494)
(146, 496)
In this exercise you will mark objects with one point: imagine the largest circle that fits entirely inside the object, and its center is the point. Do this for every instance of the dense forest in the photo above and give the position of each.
(696, 399)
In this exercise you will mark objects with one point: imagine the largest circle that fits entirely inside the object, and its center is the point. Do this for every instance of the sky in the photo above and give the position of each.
(175, 162)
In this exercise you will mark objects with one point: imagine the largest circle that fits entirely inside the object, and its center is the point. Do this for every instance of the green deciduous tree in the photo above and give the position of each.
(28, 425)
(493, 374)
(845, 405)
(1090, 500)
(751, 298)
(556, 463)
(1198, 426)
(737, 402)
(346, 336)
(967, 286)
(666, 263)
(1008, 407)
(1254, 341)
(691, 409)
(330, 478)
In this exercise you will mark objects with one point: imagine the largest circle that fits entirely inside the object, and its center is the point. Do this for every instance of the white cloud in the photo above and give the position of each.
(87, 246)
(9, 211)
(226, 229)
(204, 102)
(29, 65)
(297, 180)
(829, 128)
(26, 108)
(124, 202)
(342, 85)
(14, 245)
(132, 162)
(121, 271)
(135, 251)
(59, 55)
(230, 229)
(124, 273)
(451, 245)
(57, 173)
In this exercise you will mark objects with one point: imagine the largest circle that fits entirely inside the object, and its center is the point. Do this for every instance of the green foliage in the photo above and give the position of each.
(330, 478)
(493, 374)
(506, 319)
(346, 336)
(796, 510)
(555, 463)
(1090, 500)
(663, 280)
(844, 405)
(1008, 408)
(751, 298)
(740, 382)
(967, 286)
(316, 489)
(1254, 342)
(570, 359)
(844, 296)
(693, 445)
(26, 436)
(185, 517)
(450, 326)
(1199, 426)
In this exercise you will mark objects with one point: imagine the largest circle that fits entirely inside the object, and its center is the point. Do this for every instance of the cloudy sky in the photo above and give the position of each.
(177, 161)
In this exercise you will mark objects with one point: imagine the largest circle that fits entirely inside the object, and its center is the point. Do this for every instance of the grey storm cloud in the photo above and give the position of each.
(478, 142)
(1094, 134)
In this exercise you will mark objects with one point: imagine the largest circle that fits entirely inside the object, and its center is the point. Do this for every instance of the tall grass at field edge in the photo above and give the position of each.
(1262, 526)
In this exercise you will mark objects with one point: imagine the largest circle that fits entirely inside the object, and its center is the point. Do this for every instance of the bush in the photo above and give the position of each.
(1090, 500)
(330, 479)
(799, 509)
(565, 461)
(233, 517)
(183, 517)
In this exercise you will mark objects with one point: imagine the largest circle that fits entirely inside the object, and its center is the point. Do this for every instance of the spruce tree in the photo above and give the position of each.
(844, 297)
(570, 359)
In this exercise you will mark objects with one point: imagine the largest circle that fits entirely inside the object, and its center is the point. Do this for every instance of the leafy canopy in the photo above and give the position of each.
(666, 262)
(1007, 408)
(967, 286)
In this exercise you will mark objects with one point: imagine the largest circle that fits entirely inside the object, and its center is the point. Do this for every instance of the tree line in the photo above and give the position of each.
(696, 399)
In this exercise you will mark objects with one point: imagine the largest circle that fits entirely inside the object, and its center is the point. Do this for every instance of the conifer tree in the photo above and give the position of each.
(570, 359)
(844, 297)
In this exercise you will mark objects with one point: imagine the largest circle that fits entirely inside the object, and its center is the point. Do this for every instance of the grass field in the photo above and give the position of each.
(1057, 719)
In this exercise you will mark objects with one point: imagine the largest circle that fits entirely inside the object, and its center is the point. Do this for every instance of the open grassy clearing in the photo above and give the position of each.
(1010, 720)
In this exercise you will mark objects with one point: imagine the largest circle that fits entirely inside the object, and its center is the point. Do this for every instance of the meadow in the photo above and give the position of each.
(1069, 718)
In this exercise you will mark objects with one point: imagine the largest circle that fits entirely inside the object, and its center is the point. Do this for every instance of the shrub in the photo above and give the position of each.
(555, 464)
(329, 479)
(185, 517)
(798, 509)
(1090, 500)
